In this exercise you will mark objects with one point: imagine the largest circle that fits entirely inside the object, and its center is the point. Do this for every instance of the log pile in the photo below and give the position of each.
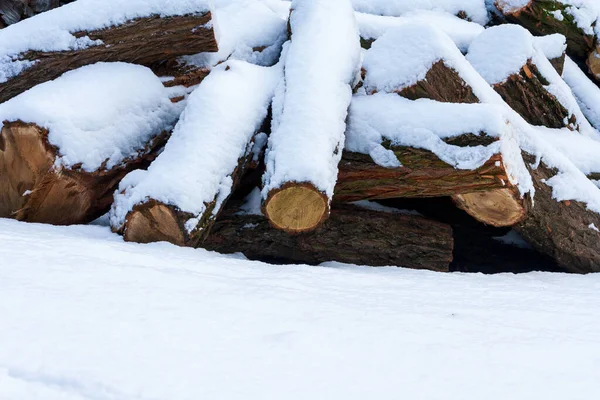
(317, 157)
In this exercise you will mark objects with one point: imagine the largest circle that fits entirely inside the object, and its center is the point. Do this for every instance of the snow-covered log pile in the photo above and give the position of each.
(278, 129)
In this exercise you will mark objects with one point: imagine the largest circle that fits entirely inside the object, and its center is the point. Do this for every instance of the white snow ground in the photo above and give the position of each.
(84, 315)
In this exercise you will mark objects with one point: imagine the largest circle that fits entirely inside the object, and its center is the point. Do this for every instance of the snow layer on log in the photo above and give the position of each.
(502, 51)
(552, 46)
(403, 56)
(581, 150)
(460, 31)
(249, 30)
(220, 118)
(54, 30)
(585, 13)
(475, 10)
(586, 92)
(322, 62)
(422, 124)
(97, 115)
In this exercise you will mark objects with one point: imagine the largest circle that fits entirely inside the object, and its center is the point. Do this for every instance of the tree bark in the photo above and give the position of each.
(349, 235)
(540, 18)
(525, 93)
(561, 229)
(147, 41)
(32, 189)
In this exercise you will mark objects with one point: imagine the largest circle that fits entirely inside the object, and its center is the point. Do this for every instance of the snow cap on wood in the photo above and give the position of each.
(312, 103)
(195, 173)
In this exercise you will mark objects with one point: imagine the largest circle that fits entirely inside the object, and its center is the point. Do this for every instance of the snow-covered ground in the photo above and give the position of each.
(84, 315)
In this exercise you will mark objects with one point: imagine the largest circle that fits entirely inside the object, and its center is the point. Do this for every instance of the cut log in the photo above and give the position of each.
(593, 63)
(544, 17)
(211, 147)
(349, 235)
(422, 174)
(66, 173)
(146, 40)
(562, 229)
(33, 190)
(308, 136)
(498, 207)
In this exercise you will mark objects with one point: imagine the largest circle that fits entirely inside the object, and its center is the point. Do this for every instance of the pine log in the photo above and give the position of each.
(560, 229)
(349, 235)
(540, 18)
(310, 132)
(145, 41)
(32, 189)
(593, 63)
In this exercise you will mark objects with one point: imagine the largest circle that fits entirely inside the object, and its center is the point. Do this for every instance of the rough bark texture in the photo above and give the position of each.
(33, 190)
(422, 174)
(539, 18)
(561, 229)
(350, 235)
(559, 63)
(525, 93)
(145, 41)
(441, 83)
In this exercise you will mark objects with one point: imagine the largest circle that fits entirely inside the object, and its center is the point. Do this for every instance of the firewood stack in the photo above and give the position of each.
(279, 138)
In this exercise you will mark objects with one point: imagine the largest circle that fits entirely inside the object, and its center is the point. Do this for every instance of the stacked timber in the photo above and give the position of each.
(283, 138)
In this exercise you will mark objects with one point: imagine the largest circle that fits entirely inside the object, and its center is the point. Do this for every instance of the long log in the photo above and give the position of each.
(349, 235)
(147, 41)
(33, 190)
(305, 145)
(211, 148)
(544, 17)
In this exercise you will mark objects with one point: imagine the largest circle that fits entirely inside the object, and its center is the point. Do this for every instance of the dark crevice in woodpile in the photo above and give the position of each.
(478, 247)
(145, 41)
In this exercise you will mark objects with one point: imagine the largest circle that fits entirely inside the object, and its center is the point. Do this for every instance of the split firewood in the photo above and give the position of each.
(350, 235)
(64, 149)
(306, 144)
(157, 35)
(544, 17)
(183, 191)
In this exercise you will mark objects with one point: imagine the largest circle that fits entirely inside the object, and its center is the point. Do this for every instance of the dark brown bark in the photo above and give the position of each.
(538, 16)
(561, 229)
(32, 190)
(145, 41)
(525, 93)
(559, 63)
(350, 235)
(422, 174)
(441, 84)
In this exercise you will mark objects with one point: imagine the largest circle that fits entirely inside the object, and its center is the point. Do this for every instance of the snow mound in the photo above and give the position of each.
(311, 105)
(195, 168)
(474, 9)
(586, 92)
(101, 113)
(500, 52)
(460, 31)
(54, 30)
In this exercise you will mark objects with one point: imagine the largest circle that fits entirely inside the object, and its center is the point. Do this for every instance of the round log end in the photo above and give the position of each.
(153, 222)
(594, 62)
(296, 208)
(499, 208)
